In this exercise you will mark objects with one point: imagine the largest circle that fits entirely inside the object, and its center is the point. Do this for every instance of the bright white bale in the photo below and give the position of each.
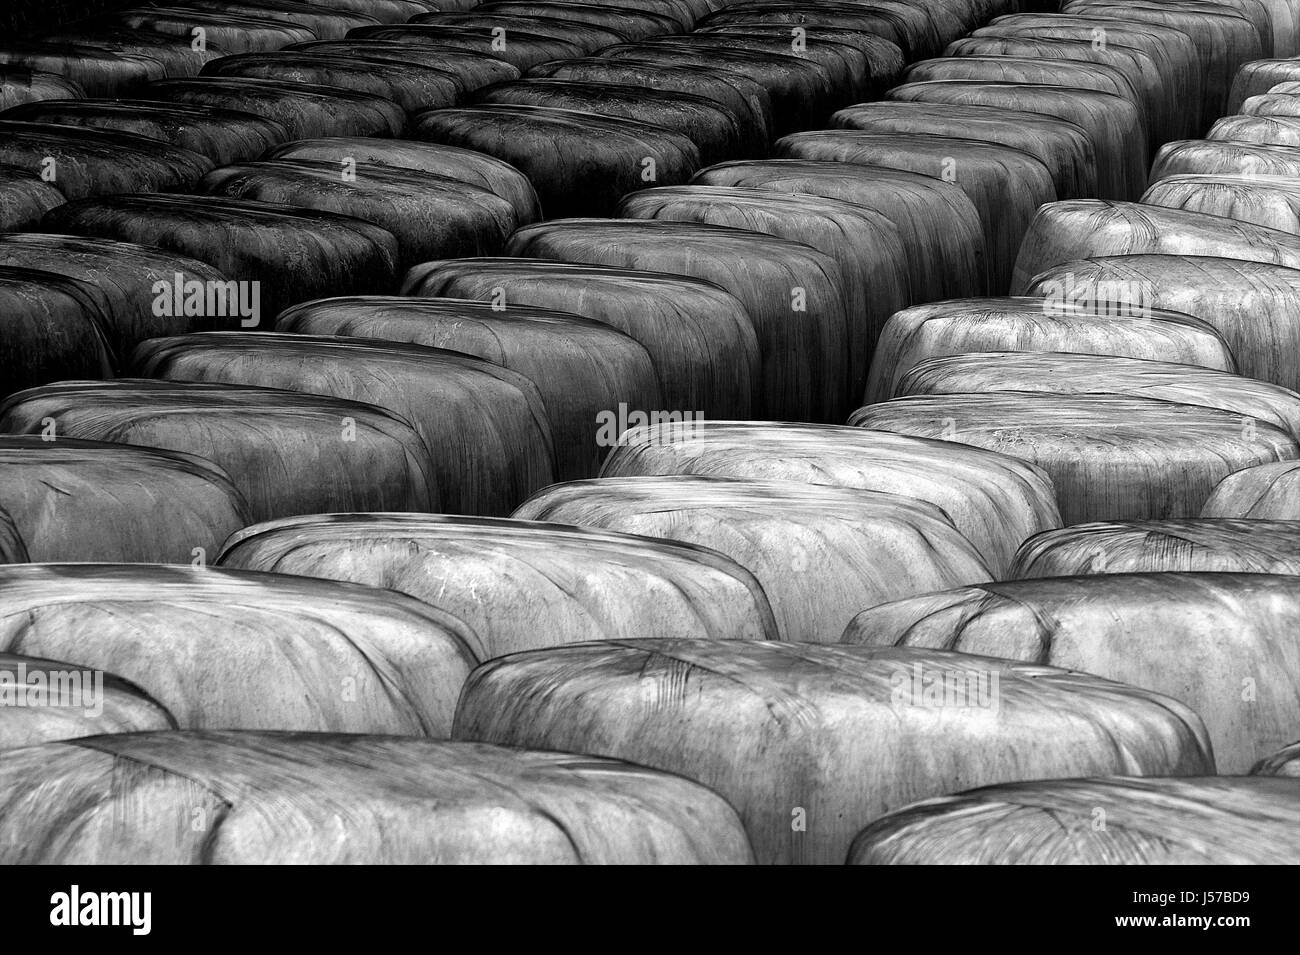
(811, 742)
(46, 700)
(1260, 76)
(1285, 762)
(994, 500)
(1261, 130)
(1069, 374)
(318, 799)
(521, 585)
(1110, 457)
(1268, 492)
(1025, 324)
(820, 553)
(1270, 201)
(1135, 547)
(1220, 643)
(1223, 157)
(1206, 821)
(223, 649)
(1255, 306)
(1085, 229)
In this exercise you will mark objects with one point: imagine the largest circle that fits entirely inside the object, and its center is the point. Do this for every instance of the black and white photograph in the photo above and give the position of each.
(651, 433)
